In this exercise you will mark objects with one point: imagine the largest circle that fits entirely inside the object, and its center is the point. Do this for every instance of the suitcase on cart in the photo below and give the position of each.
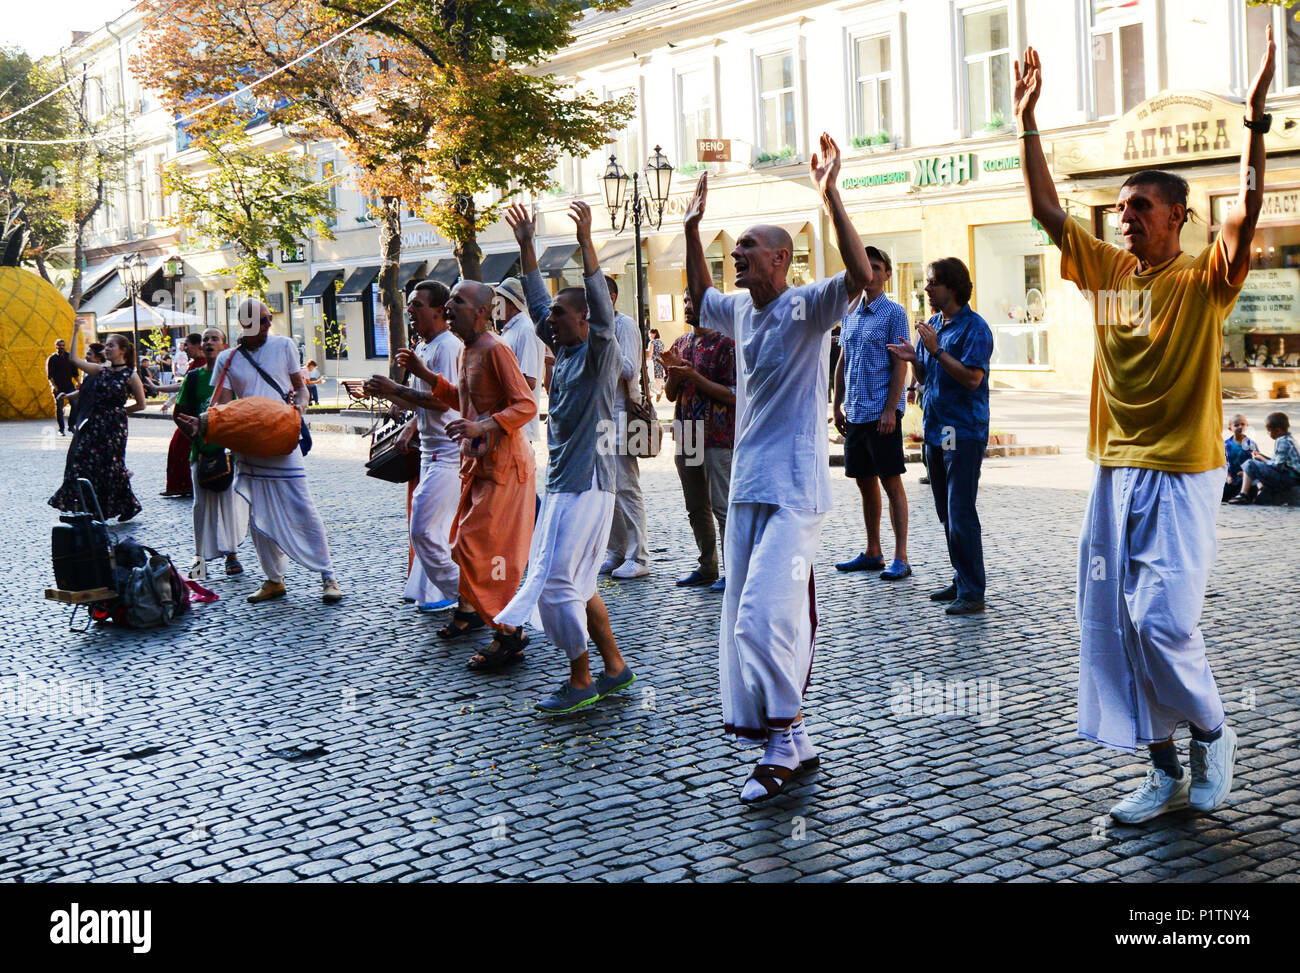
(80, 546)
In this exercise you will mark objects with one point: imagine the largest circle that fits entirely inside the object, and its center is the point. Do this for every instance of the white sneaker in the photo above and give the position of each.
(1212, 770)
(1158, 794)
(198, 570)
(610, 563)
(628, 570)
(330, 591)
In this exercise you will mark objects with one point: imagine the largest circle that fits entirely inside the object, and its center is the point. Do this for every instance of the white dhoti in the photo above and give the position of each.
(563, 567)
(769, 616)
(283, 516)
(1145, 554)
(220, 519)
(434, 575)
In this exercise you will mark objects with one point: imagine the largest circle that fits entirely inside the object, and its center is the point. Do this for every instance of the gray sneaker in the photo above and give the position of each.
(1212, 770)
(568, 698)
(611, 684)
(1158, 794)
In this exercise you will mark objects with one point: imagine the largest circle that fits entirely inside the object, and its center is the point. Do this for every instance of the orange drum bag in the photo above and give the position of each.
(253, 427)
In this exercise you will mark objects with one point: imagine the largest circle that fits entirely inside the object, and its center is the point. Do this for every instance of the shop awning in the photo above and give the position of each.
(445, 271)
(674, 258)
(407, 272)
(92, 277)
(614, 255)
(358, 283)
(553, 261)
(498, 266)
(109, 297)
(320, 282)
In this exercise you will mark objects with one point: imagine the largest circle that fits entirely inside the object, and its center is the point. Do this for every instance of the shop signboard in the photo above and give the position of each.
(1170, 128)
(1278, 206)
(1270, 302)
(713, 150)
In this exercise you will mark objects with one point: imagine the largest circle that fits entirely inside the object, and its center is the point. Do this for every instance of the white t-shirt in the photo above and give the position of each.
(442, 357)
(278, 357)
(520, 336)
(781, 454)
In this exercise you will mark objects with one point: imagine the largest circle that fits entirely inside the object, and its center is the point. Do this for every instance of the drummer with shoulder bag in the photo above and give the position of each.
(250, 414)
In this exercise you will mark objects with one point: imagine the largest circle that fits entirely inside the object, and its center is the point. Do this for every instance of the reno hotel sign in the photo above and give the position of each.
(1174, 128)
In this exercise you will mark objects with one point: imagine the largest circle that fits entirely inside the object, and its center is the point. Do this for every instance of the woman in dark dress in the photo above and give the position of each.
(98, 450)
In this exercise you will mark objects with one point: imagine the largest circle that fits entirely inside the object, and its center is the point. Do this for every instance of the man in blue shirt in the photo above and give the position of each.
(868, 413)
(952, 362)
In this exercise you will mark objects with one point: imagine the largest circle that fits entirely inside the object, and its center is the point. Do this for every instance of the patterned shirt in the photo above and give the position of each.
(713, 355)
(868, 365)
(1285, 457)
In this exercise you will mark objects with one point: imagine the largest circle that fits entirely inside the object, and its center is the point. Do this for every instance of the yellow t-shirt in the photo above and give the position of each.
(1156, 396)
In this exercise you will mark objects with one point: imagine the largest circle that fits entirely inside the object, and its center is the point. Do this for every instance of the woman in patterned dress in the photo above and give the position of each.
(98, 452)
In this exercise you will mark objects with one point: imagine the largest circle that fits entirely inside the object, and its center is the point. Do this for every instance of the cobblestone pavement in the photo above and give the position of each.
(297, 741)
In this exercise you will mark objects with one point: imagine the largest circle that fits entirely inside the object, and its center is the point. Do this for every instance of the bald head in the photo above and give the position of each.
(469, 309)
(774, 237)
(254, 318)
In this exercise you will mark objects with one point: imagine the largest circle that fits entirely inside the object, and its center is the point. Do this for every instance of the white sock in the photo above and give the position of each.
(780, 751)
(802, 742)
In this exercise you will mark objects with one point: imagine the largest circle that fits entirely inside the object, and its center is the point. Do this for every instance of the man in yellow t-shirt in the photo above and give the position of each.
(1147, 543)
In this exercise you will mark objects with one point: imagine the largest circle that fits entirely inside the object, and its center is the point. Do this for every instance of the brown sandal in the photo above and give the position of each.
(773, 778)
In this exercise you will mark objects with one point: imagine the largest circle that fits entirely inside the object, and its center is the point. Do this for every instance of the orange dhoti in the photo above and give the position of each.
(493, 529)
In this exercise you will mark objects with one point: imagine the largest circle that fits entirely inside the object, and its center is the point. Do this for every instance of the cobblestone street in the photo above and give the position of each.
(297, 741)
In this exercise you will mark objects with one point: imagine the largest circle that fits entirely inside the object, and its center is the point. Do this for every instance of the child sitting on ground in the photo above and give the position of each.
(1237, 448)
(1278, 476)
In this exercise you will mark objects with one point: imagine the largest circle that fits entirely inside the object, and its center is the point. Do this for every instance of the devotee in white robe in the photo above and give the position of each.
(434, 578)
(1148, 542)
(780, 479)
(571, 533)
(282, 515)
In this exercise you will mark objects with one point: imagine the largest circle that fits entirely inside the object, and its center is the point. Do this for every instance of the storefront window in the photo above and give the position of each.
(801, 271)
(716, 257)
(297, 314)
(1009, 277)
(378, 325)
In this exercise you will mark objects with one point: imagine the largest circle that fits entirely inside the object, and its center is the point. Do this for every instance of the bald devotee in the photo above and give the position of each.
(493, 525)
(581, 478)
(434, 502)
(1147, 545)
(282, 514)
(780, 478)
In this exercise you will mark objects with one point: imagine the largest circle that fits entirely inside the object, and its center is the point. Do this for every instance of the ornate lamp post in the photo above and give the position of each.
(132, 269)
(642, 208)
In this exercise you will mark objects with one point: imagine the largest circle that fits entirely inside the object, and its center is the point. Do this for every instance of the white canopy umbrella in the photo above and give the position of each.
(123, 318)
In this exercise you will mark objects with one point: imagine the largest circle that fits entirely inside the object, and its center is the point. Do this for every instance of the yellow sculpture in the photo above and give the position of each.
(33, 315)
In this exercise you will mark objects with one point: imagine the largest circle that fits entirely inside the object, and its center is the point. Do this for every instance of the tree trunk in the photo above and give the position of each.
(40, 266)
(390, 256)
(468, 255)
(78, 254)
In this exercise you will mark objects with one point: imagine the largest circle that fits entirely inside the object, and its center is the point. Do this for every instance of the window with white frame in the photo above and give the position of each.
(873, 84)
(776, 105)
(1118, 62)
(626, 146)
(566, 175)
(695, 98)
(986, 63)
(1286, 33)
(329, 177)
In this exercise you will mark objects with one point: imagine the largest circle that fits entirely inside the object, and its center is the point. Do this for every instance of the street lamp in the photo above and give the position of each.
(650, 209)
(131, 268)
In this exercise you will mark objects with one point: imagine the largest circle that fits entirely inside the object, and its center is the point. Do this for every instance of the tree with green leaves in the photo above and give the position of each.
(249, 199)
(433, 102)
(29, 174)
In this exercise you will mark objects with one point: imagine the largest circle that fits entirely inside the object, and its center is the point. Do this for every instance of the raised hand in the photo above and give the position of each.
(521, 224)
(1029, 83)
(1263, 78)
(825, 169)
(580, 213)
(695, 209)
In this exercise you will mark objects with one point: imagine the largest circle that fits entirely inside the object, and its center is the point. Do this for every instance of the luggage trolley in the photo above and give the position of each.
(84, 566)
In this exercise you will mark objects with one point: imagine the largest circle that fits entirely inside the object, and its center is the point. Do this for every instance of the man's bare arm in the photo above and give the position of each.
(1043, 201)
(1239, 225)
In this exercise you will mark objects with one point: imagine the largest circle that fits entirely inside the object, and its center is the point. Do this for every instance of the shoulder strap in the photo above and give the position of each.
(216, 389)
(265, 377)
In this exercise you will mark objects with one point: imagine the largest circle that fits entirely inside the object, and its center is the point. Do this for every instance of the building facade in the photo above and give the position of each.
(918, 94)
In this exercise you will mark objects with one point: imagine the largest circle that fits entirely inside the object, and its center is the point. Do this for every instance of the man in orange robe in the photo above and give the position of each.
(494, 521)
